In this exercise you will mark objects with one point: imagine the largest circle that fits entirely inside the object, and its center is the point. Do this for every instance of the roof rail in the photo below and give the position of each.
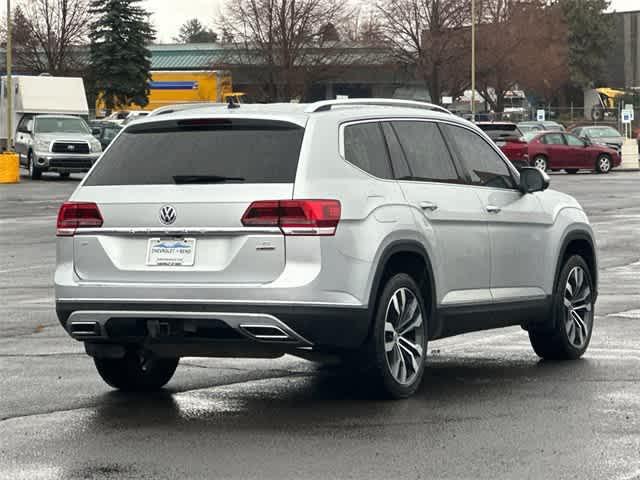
(326, 105)
(179, 107)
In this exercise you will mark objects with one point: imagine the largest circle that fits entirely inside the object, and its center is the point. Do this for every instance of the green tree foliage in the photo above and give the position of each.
(120, 59)
(590, 39)
(192, 31)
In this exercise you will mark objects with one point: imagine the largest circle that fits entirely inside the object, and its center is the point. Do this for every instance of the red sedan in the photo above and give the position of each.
(564, 151)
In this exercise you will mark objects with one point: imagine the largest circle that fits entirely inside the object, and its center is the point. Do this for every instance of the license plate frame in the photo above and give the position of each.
(171, 252)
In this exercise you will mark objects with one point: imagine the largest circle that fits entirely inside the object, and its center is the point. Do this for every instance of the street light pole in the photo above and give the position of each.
(9, 85)
(473, 60)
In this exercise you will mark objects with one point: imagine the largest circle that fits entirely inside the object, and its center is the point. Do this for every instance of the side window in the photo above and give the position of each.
(22, 126)
(109, 134)
(399, 163)
(485, 166)
(553, 139)
(426, 152)
(574, 141)
(365, 148)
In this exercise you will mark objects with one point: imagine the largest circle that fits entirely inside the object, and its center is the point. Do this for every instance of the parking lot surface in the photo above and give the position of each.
(488, 408)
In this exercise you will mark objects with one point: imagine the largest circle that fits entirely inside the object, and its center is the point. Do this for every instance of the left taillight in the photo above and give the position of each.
(295, 217)
(75, 215)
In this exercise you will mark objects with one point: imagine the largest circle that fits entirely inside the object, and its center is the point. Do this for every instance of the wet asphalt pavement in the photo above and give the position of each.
(488, 408)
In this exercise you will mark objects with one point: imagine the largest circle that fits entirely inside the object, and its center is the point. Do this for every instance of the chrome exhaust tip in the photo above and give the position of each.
(266, 332)
(85, 329)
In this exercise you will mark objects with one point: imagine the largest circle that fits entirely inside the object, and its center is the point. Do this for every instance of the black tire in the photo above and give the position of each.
(597, 114)
(571, 171)
(137, 371)
(540, 162)
(603, 163)
(554, 343)
(64, 174)
(34, 172)
(373, 355)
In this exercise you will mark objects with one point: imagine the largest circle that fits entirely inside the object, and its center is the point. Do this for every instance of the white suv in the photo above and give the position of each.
(362, 228)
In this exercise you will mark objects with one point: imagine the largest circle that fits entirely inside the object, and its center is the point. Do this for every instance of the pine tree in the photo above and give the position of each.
(590, 39)
(192, 31)
(120, 58)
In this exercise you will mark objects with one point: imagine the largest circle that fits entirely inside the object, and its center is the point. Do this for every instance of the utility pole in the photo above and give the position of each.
(473, 60)
(9, 85)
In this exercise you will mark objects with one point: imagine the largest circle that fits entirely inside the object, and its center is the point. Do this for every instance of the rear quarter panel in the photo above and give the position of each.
(374, 211)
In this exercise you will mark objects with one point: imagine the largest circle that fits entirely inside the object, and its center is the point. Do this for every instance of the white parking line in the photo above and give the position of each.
(32, 267)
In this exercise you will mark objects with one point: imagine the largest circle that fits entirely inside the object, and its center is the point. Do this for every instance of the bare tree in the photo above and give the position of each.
(511, 53)
(364, 27)
(287, 41)
(429, 35)
(46, 33)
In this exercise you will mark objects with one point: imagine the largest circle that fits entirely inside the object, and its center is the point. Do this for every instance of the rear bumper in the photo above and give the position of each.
(281, 327)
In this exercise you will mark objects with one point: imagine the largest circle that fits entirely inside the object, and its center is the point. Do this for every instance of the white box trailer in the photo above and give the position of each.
(41, 95)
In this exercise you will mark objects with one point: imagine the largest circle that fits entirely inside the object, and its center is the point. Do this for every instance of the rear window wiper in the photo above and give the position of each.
(180, 179)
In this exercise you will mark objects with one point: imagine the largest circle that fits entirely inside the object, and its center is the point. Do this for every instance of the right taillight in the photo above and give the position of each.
(75, 215)
(295, 217)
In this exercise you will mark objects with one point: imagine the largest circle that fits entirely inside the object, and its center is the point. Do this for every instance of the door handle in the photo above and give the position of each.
(432, 207)
(493, 209)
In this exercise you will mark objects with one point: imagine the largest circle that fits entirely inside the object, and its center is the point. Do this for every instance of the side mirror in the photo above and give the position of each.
(533, 180)
(95, 132)
(29, 127)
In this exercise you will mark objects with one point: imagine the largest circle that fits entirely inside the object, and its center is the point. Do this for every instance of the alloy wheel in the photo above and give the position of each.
(404, 336)
(540, 163)
(604, 164)
(578, 308)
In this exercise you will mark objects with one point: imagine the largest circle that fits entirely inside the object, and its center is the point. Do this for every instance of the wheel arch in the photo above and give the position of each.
(406, 256)
(578, 242)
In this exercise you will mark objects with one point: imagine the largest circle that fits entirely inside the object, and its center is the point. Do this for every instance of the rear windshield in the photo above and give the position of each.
(497, 131)
(202, 151)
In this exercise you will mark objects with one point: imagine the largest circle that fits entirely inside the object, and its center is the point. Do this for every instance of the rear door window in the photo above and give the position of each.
(426, 152)
(399, 163)
(365, 148)
(204, 150)
(554, 139)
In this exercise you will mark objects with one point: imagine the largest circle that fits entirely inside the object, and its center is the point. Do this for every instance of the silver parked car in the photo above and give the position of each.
(55, 143)
(601, 135)
(360, 228)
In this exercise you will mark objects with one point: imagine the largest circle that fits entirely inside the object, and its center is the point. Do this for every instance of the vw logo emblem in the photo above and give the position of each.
(167, 215)
(71, 147)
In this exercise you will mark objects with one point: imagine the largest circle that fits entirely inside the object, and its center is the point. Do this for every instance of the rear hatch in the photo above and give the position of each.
(501, 133)
(172, 195)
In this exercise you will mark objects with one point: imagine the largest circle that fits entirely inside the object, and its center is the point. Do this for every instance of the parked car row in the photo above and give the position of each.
(547, 146)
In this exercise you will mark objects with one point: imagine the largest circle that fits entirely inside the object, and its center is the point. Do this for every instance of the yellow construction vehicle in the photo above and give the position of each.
(607, 107)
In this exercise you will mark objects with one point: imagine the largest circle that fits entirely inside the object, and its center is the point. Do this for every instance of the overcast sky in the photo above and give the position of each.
(168, 15)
